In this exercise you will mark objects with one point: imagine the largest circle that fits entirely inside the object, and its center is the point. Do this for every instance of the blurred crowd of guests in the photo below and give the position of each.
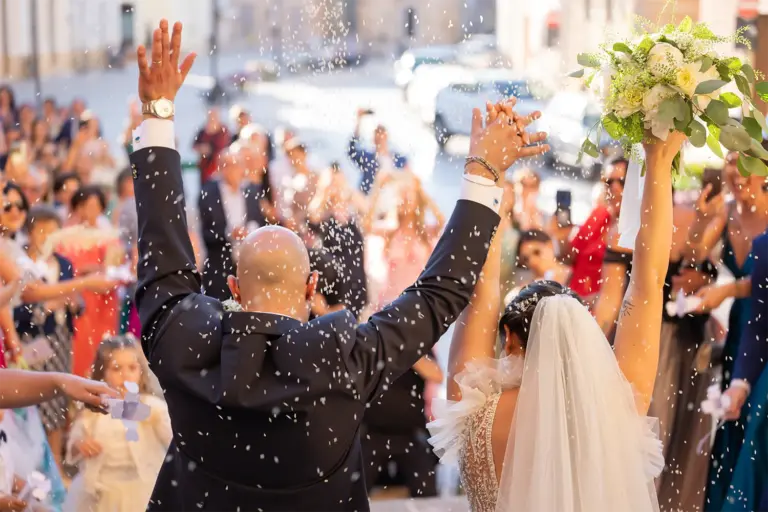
(68, 255)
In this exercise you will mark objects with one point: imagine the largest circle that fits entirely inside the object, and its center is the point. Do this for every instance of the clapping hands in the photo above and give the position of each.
(501, 138)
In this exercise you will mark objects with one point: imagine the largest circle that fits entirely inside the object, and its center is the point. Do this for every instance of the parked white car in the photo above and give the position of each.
(454, 104)
(428, 81)
(407, 64)
(567, 119)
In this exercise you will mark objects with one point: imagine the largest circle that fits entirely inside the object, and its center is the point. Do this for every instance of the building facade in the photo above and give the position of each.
(71, 35)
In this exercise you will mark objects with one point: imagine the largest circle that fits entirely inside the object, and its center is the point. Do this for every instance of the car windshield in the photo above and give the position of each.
(591, 115)
(519, 90)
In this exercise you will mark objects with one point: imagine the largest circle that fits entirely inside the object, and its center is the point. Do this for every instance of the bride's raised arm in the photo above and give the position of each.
(476, 330)
(639, 326)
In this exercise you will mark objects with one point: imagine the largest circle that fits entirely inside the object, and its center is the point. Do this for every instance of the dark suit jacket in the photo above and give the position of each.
(213, 220)
(266, 411)
(753, 349)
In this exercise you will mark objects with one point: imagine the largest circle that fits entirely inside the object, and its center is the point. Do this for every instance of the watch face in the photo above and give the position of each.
(163, 108)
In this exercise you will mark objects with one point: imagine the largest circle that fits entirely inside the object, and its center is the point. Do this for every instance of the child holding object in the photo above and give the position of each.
(116, 473)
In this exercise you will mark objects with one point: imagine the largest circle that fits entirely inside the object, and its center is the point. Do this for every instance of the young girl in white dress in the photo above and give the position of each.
(559, 423)
(117, 475)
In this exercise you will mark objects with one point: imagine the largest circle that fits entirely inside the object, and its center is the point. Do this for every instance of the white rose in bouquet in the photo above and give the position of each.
(651, 103)
(664, 59)
(688, 77)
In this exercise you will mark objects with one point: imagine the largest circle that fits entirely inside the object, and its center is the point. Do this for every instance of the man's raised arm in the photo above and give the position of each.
(166, 269)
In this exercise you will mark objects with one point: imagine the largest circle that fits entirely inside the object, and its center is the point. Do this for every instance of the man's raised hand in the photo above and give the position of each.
(163, 77)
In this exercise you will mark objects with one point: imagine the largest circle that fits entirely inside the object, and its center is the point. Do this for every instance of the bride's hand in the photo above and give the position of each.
(664, 150)
(501, 141)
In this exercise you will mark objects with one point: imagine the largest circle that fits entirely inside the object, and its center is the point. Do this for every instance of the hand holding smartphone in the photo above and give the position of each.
(714, 179)
(564, 199)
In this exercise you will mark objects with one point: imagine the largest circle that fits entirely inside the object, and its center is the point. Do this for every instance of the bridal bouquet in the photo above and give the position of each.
(671, 78)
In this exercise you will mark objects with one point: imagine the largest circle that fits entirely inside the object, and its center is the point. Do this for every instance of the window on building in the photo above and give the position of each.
(410, 22)
(127, 25)
(4, 35)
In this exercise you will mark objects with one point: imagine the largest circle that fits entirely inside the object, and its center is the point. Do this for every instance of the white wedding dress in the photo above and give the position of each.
(577, 443)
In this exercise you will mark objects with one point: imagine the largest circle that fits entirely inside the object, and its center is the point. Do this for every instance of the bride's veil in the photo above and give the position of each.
(577, 443)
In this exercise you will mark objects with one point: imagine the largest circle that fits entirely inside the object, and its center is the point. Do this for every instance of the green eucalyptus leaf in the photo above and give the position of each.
(702, 31)
(717, 112)
(683, 127)
(706, 63)
(724, 71)
(668, 28)
(709, 86)
(743, 86)
(714, 130)
(753, 166)
(590, 148)
(730, 100)
(734, 64)
(698, 135)
(623, 48)
(577, 74)
(760, 118)
(612, 126)
(735, 137)
(753, 128)
(749, 73)
(757, 150)
(714, 145)
(686, 25)
(761, 88)
(588, 60)
(645, 45)
(740, 166)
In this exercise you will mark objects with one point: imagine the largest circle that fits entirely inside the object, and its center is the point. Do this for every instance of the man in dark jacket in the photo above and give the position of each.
(266, 407)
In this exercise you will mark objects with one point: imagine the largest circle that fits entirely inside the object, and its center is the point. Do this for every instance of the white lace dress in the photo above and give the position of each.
(462, 431)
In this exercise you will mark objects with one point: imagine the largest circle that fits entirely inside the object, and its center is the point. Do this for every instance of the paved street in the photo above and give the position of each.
(321, 107)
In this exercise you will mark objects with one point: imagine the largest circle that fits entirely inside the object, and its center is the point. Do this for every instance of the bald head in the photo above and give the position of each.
(273, 272)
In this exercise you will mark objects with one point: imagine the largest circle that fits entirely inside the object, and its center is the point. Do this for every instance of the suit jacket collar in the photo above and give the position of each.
(244, 322)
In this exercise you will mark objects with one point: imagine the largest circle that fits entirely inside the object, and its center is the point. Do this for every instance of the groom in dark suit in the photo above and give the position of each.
(266, 408)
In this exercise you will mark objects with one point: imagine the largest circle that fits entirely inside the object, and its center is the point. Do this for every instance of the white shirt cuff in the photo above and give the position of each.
(157, 133)
(482, 190)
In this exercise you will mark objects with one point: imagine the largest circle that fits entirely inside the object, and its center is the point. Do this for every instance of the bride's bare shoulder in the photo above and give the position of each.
(502, 425)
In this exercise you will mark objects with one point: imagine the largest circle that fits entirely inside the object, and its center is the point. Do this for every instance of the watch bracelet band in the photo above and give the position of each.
(482, 161)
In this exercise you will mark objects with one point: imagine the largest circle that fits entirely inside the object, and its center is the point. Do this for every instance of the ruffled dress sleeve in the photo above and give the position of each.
(651, 446)
(480, 381)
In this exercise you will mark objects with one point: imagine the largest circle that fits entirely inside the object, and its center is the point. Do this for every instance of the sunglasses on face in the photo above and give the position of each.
(611, 181)
(7, 207)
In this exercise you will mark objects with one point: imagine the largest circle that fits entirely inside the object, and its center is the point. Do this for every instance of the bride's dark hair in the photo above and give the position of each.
(518, 314)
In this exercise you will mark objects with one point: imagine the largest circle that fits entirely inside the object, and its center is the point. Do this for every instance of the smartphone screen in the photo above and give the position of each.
(713, 177)
(564, 199)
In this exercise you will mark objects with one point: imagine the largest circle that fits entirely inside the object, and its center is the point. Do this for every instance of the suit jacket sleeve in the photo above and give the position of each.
(396, 337)
(166, 271)
(213, 236)
(753, 349)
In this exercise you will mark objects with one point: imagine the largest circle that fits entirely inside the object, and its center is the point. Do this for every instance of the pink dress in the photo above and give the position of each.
(406, 256)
